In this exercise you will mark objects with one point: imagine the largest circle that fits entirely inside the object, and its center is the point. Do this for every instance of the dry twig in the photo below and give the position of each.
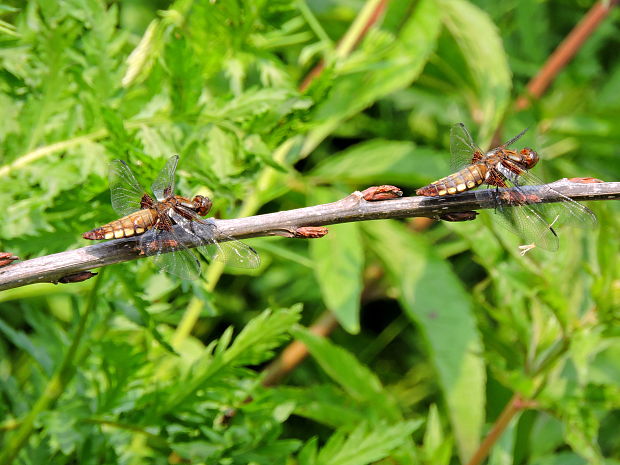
(291, 223)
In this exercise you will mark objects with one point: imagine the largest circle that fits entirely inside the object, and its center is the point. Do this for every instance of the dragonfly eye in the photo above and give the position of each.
(530, 157)
(202, 204)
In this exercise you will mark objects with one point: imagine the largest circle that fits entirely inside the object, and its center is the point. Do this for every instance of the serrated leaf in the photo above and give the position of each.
(364, 445)
(435, 300)
(252, 346)
(355, 378)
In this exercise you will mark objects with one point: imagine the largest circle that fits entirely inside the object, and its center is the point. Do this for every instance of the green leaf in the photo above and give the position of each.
(326, 404)
(437, 447)
(356, 379)
(481, 46)
(365, 446)
(383, 162)
(253, 345)
(222, 150)
(339, 264)
(374, 75)
(502, 452)
(561, 458)
(24, 342)
(435, 300)
(308, 454)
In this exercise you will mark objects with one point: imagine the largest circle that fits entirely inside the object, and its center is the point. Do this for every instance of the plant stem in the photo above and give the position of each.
(514, 406)
(292, 223)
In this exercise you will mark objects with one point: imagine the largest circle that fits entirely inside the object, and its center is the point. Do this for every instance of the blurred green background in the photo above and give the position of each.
(440, 324)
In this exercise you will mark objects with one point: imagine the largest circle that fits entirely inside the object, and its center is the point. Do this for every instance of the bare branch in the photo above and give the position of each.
(52, 268)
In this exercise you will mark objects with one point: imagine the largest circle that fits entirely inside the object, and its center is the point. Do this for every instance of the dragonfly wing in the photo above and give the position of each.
(566, 212)
(169, 254)
(230, 251)
(462, 147)
(538, 222)
(126, 191)
(526, 222)
(163, 186)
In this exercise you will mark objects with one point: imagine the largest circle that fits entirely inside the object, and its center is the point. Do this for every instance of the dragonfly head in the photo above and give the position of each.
(202, 204)
(530, 157)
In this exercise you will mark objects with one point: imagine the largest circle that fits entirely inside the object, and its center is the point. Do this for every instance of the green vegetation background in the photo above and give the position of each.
(439, 327)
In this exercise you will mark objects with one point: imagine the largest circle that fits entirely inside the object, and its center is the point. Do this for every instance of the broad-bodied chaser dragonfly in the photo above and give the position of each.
(163, 222)
(500, 167)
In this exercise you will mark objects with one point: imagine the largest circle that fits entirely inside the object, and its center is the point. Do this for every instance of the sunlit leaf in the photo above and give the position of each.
(481, 46)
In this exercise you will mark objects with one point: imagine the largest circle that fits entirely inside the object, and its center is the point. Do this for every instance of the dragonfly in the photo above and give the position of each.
(520, 213)
(165, 221)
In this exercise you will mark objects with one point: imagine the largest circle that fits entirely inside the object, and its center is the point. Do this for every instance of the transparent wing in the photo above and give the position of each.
(230, 251)
(462, 147)
(536, 222)
(163, 186)
(567, 212)
(126, 191)
(527, 223)
(169, 254)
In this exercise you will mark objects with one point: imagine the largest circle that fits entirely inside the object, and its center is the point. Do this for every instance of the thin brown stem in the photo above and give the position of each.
(365, 20)
(514, 406)
(565, 52)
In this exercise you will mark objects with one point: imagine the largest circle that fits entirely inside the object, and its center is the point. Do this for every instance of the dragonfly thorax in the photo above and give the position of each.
(524, 159)
(530, 157)
(201, 204)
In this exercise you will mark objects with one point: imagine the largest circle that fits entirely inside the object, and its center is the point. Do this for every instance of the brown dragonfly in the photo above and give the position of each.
(165, 223)
(520, 213)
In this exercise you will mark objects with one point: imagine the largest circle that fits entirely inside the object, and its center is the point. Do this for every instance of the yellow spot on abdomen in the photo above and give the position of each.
(109, 235)
(451, 190)
(461, 187)
(118, 233)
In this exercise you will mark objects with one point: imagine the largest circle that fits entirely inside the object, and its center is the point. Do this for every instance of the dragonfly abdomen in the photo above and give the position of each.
(131, 225)
(468, 178)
